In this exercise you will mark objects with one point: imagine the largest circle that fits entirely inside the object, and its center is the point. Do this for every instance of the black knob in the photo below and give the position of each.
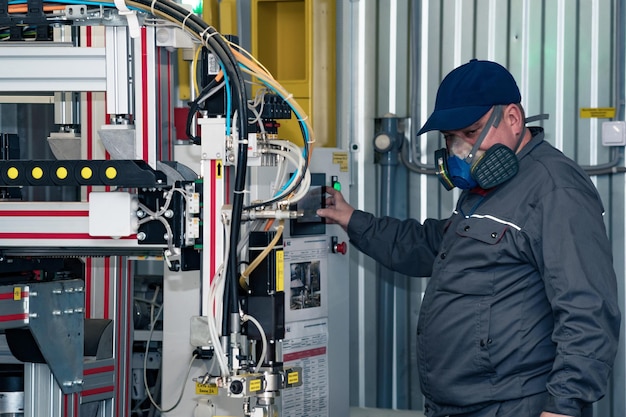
(236, 387)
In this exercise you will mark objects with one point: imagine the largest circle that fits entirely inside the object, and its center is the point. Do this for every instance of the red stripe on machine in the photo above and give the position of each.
(10, 295)
(144, 92)
(14, 317)
(99, 370)
(96, 391)
(212, 215)
(170, 123)
(304, 354)
(58, 236)
(107, 288)
(44, 213)
(129, 325)
(88, 284)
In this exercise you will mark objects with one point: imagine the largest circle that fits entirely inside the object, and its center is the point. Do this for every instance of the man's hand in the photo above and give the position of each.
(546, 414)
(337, 211)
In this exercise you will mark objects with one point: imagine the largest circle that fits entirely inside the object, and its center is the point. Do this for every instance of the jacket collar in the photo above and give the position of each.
(537, 138)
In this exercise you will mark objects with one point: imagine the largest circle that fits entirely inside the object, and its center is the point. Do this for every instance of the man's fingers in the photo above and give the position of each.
(331, 191)
(324, 214)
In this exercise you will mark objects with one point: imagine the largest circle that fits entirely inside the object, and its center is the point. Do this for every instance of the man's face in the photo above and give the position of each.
(460, 142)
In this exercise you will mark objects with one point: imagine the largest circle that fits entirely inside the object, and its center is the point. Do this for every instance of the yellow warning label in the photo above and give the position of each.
(599, 113)
(293, 377)
(17, 293)
(255, 385)
(341, 158)
(218, 169)
(206, 389)
(280, 270)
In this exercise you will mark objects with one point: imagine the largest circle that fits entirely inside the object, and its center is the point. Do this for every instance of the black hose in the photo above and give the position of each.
(231, 68)
(239, 187)
(194, 107)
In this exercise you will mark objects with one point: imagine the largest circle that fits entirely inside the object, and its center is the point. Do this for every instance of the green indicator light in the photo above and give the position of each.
(194, 5)
(337, 185)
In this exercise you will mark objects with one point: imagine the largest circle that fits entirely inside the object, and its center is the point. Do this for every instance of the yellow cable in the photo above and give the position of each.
(256, 71)
(259, 73)
(243, 279)
(296, 106)
(194, 70)
(240, 50)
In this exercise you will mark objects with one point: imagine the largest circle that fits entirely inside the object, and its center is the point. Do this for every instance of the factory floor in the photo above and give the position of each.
(378, 412)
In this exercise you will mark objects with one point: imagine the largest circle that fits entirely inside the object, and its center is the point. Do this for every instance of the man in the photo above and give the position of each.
(520, 316)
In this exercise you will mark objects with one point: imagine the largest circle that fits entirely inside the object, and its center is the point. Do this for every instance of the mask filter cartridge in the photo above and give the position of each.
(496, 166)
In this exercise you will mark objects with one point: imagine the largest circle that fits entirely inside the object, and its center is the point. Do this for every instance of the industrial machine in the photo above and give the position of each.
(166, 271)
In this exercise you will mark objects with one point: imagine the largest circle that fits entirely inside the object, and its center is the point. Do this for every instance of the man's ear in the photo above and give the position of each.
(514, 118)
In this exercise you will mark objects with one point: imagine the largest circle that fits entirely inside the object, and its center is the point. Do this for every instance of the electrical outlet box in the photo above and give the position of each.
(614, 133)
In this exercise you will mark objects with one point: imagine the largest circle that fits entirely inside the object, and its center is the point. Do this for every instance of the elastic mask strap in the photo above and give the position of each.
(543, 116)
(494, 120)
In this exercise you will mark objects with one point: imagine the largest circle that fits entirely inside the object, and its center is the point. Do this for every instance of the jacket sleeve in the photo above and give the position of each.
(573, 254)
(404, 246)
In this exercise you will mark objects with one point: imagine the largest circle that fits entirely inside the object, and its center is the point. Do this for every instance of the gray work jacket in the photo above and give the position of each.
(522, 296)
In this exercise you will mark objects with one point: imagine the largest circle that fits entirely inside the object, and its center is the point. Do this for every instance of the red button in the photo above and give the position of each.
(342, 248)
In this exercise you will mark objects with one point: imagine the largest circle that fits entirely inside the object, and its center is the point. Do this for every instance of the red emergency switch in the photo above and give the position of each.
(337, 247)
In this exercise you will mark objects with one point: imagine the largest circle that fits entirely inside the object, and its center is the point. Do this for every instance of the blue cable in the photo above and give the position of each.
(228, 99)
(304, 128)
(298, 116)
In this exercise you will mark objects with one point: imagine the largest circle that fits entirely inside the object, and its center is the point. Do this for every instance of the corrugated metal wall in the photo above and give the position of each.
(561, 52)
(565, 54)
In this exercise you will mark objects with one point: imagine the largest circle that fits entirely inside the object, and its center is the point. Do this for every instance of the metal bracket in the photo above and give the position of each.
(52, 311)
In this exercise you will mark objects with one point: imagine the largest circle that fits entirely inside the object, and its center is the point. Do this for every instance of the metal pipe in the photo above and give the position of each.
(387, 144)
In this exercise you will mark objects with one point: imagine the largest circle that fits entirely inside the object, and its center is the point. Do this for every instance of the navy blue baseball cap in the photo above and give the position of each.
(468, 92)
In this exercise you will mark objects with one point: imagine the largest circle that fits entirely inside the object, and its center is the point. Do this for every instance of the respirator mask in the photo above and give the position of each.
(464, 166)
